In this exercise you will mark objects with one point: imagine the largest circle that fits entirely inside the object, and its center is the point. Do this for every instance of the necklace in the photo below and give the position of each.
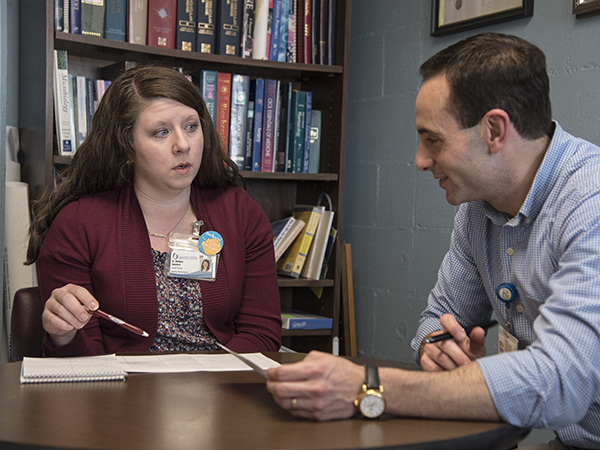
(164, 236)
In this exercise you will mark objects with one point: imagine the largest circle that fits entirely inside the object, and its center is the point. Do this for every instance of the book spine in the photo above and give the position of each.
(92, 17)
(247, 29)
(240, 86)
(307, 124)
(207, 15)
(307, 31)
(315, 142)
(229, 18)
(81, 111)
(100, 88)
(283, 30)
(249, 134)
(299, 53)
(261, 19)
(275, 31)
(259, 94)
(59, 15)
(269, 24)
(315, 28)
(73, 110)
(62, 102)
(331, 32)
(284, 120)
(323, 30)
(75, 17)
(66, 16)
(208, 88)
(185, 33)
(89, 102)
(137, 21)
(294, 259)
(269, 125)
(162, 21)
(299, 131)
(116, 20)
(223, 107)
(292, 28)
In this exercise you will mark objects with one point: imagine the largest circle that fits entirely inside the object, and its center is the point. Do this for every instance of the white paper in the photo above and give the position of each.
(192, 363)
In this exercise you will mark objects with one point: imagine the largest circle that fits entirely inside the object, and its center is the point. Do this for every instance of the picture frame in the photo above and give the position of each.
(583, 8)
(452, 16)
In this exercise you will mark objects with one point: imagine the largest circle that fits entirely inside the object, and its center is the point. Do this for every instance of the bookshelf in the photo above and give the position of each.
(275, 192)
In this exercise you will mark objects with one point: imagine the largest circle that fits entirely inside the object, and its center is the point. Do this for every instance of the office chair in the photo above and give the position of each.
(26, 330)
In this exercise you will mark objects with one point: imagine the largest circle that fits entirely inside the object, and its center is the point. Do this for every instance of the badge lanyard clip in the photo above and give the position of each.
(506, 293)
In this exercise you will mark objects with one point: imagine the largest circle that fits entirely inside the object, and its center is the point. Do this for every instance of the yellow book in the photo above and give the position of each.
(291, 263)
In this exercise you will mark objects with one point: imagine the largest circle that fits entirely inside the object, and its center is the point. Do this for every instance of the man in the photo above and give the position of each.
(525, 245)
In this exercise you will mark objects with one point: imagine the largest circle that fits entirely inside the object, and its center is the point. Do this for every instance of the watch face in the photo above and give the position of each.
(372, 405)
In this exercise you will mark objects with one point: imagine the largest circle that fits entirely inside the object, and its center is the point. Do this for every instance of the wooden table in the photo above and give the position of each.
(208, 410)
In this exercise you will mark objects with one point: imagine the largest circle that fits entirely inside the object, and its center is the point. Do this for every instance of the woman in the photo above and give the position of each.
(152, 165)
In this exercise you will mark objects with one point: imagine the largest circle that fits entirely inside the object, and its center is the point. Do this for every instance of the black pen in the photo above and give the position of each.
(444, 336)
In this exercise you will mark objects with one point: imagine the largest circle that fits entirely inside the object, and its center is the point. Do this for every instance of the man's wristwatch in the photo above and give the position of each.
(370, 401)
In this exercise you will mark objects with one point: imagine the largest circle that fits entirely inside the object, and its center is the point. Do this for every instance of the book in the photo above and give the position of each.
(307, 31)
(137, 21)
(280, 228)
(249, 131)
(185, 32)
(323, 30)
(315, 29)
(162, 22)
(208, 89)
(223, 107)
(81, 110)
(75, 16)
(90, 107)
(261, 19)
(247, 29)
(331, 32)
(240, 89)
(115, 22)
(269, 23)
(258, 90)
(229, 20)
(74, 369)
(62, 111)
(269, 128)
(318, 290)
(288, 238)
(284, 124)
(73, 107)
(316, 254)
(66, 16)
(92, 17)
(292, 28)
(283, 30)
(298, 131)
(299, 320)
(59, 15)
(315, 142)
(206, 18)
(275, 30)
(307, 125)
(292, 262)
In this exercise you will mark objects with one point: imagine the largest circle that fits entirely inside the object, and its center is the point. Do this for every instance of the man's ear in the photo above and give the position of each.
(495, 129)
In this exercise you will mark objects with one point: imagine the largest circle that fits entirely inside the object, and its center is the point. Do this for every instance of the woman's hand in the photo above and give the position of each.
(452, 353)
(65, 312)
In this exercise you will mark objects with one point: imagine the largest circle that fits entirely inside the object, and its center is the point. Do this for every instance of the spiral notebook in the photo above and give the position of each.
(68, 370)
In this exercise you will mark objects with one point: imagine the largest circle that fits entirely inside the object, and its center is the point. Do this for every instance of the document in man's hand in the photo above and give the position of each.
(67, 370)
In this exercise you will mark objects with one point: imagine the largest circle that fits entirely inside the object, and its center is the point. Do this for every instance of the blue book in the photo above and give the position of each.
(300, 320)
(307, 124)
(258, 86)
(208, 88)
(297, 137)
(283, 30)
(185, 33)
(75, 16)
(275, 31)
(115, 22)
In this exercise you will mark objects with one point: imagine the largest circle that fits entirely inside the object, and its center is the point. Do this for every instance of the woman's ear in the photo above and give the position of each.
(495, 129)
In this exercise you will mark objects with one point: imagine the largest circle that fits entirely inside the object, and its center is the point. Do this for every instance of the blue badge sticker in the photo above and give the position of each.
(210, 243)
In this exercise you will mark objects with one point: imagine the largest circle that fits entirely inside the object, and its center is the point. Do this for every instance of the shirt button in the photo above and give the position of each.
(510, 251)
(520, 308)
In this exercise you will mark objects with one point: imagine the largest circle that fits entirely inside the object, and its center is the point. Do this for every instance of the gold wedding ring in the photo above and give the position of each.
(294, 403)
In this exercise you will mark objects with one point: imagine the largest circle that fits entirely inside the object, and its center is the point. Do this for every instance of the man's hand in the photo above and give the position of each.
(452, 353)
(321, 387)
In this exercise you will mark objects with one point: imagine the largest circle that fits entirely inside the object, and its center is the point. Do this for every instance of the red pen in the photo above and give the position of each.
(118, 321)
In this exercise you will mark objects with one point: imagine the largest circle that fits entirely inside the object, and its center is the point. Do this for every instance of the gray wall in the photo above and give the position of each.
(397, 218)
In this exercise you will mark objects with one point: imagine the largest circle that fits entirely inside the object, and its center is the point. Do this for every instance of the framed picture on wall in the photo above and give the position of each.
(584, 7)
(451, 16)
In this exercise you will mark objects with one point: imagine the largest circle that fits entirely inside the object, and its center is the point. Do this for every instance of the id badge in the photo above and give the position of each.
(506, 341)
(185, 260)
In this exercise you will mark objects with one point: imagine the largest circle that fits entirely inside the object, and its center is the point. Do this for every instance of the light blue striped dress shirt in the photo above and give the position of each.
(550, 252)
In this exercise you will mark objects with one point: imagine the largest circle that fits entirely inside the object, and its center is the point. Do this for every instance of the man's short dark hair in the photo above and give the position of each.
(493, 70)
